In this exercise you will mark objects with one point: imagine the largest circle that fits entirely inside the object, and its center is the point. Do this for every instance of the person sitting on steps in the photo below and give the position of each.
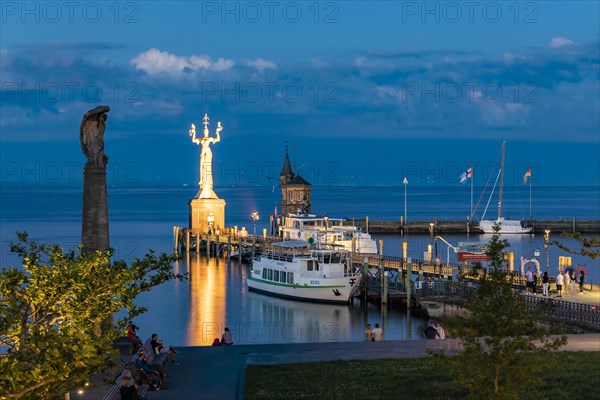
(159, 348)
(132, 337)
(152, 375)
(227, 338)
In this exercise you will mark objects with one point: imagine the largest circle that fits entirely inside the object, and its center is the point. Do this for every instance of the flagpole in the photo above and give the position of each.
(472, 179)
(530, 213)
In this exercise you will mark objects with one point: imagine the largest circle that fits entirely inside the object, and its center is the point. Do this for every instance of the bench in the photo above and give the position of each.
(115, 391)
(157, 359)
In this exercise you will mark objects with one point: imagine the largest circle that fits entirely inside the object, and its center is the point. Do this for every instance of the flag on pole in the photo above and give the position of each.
(466, 175)
(527, 175)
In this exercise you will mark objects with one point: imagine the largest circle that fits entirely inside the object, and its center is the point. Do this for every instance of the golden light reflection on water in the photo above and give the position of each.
(208, 296)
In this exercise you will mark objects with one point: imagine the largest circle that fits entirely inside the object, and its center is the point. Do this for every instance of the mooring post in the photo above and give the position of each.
(384, 298)
(187, 240)
(365, 274)
(176, 241)
(218, 244)
(408, 282)
(381, 269)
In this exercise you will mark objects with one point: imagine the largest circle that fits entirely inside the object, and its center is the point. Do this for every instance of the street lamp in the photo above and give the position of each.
(547, 246)
(431, 225)
(326, 226)
(255, 218)
(447, 249)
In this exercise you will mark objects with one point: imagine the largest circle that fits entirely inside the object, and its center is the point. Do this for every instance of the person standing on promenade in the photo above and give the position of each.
(377, 333)
(529, 280)
(534, 284)
(545, 281)
(369, 334)
(581, 281)
(559, 283)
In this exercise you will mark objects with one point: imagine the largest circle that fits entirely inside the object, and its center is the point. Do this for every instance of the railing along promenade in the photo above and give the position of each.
(584, 315)
(427, 268)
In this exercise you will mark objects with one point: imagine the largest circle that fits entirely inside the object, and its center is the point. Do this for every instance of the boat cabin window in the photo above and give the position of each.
(276, 276)
(312, 265)
(264, 273)
(290, 277)
(336, 258)
(326, 258)
(270, 274)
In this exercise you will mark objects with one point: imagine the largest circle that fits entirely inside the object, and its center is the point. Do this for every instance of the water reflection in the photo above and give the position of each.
(208, 296)
(218, 297)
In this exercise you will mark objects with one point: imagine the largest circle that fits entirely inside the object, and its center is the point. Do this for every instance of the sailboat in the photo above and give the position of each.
(506, 226)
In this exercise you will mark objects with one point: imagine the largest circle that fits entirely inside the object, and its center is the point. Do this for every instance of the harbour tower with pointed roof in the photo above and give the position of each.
(295, 190)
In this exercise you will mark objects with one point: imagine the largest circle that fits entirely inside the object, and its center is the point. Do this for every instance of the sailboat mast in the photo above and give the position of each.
(501, 181)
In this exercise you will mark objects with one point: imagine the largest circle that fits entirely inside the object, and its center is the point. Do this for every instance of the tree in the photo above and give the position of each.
(590, 247)
(54, 311)
(498, 334)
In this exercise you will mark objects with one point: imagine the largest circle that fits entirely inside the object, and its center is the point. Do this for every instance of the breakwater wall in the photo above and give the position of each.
(460, 227)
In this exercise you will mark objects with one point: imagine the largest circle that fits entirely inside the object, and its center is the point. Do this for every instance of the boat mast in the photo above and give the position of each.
(501, 182)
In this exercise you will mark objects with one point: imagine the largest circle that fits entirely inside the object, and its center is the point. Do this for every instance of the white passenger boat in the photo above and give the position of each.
(322, 229)
(299, 270)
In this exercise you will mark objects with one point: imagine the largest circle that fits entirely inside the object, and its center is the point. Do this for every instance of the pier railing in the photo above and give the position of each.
(555, 309)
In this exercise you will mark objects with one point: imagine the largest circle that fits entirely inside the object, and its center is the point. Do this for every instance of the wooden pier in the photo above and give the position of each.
(460, 227)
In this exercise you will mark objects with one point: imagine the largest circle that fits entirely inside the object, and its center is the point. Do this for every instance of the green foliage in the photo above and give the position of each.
(499, 334)
(54, 313)
(590, 247)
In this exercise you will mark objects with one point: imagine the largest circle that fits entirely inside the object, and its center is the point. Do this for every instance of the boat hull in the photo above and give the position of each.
(506, 227)
(337, 290)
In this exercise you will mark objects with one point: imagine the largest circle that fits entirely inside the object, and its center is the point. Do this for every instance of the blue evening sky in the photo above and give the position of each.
(369, 92)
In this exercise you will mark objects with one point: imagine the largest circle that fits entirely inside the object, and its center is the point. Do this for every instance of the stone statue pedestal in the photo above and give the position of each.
(206, 212)
(94, 227)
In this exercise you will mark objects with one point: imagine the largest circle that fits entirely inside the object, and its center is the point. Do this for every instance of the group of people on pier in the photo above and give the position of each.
(567, 281)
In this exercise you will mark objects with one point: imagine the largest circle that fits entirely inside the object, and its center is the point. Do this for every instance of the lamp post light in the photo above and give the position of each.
(326, 226)
(447, 249)
(547, 246)
(431, 225)
(255, 217)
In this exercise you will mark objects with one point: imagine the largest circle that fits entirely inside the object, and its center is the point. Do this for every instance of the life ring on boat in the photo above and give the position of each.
(299, 234)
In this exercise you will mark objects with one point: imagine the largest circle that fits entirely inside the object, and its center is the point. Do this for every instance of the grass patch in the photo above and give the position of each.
(575, 376)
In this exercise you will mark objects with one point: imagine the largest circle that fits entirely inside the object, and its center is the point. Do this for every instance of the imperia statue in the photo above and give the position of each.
(206, 178)
(91, 136)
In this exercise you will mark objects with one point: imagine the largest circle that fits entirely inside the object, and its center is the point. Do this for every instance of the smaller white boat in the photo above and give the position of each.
(506, 226)
(299, 270)
(322, 229)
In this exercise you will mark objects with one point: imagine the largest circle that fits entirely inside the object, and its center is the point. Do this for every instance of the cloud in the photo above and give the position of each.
(523, 92)
(560, 41)
(155, 61)
(318, 63)
(261, 64)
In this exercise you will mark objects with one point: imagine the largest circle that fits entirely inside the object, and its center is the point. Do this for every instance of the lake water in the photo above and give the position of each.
(194, 312)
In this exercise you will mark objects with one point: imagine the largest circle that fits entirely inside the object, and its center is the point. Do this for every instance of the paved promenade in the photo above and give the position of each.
(218, 372)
